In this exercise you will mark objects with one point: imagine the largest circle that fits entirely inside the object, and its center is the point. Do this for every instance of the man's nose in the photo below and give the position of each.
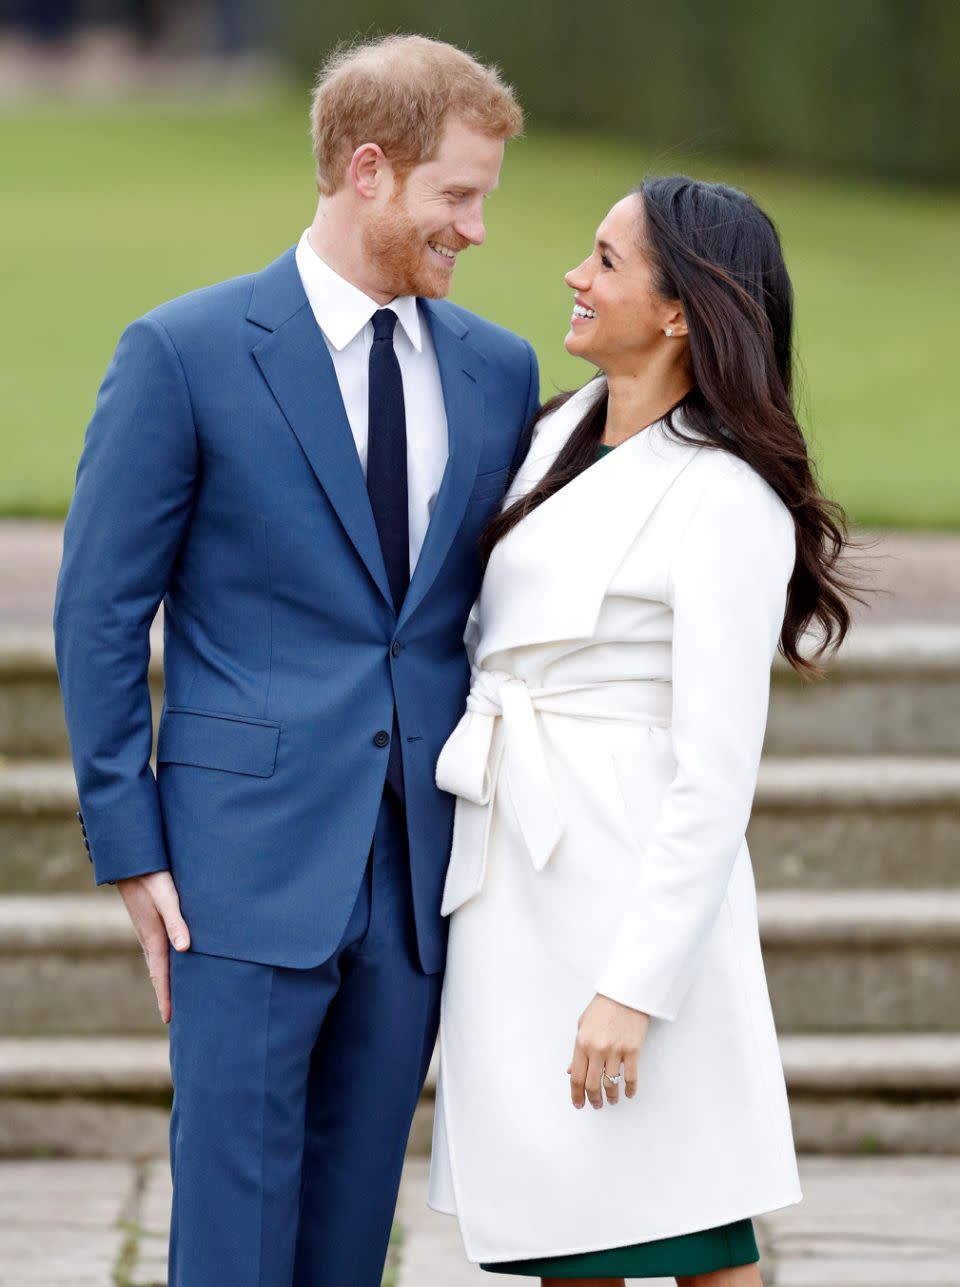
(470, 226)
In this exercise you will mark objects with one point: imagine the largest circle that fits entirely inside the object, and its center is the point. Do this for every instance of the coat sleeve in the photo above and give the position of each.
(727, 588)
(132, 502)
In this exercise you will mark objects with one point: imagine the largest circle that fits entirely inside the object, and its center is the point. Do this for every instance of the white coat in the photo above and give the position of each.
(605, 770)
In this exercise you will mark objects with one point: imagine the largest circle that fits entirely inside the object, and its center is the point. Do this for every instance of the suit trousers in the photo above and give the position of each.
(294, 1091)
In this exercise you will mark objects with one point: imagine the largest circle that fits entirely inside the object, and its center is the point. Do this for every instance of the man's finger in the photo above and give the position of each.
(167, 902)
(158, 966)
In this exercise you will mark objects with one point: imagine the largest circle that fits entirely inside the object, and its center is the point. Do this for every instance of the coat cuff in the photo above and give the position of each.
(121, 853)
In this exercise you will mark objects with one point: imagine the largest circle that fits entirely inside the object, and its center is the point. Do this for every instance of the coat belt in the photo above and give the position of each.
(473, 761)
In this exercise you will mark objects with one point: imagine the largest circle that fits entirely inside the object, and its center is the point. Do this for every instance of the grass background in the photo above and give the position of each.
(108, 211)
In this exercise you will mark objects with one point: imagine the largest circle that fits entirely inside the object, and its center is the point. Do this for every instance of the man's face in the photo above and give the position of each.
(413, 235)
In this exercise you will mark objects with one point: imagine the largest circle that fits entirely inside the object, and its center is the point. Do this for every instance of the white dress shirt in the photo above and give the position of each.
(344, 316)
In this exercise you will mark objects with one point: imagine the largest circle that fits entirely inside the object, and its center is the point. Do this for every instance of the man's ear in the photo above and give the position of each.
(367, 167)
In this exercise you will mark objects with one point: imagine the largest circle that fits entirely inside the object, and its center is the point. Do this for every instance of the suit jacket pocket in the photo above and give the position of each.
(489, 485)
(212, 741)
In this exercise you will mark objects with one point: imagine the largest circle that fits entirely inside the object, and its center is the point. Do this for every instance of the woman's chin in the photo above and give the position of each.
(574, 344)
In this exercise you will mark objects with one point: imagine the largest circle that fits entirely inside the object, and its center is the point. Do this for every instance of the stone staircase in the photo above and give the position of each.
(855, 840)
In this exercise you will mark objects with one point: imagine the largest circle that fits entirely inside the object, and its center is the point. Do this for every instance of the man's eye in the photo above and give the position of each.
(605, 261)
(456, 196)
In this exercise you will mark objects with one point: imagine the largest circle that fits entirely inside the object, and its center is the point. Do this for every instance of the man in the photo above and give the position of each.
(299, 464)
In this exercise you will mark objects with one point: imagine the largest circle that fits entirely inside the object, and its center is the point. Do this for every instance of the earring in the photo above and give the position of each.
(669, 331)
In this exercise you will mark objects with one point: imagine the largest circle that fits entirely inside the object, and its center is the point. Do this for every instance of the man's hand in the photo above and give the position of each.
(608, 1034)
(154, 907)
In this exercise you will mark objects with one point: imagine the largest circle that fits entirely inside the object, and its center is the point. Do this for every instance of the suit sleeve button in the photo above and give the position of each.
(382, 738)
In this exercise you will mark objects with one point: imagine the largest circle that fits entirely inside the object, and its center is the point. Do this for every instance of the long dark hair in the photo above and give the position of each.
(714, 250)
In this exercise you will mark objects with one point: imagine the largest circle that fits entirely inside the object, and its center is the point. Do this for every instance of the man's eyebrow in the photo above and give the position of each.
(605, 246)
(465, 186)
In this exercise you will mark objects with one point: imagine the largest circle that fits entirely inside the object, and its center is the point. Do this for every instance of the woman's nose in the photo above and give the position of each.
(576, 278)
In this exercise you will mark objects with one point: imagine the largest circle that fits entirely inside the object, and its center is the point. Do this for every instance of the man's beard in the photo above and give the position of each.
(397, 249)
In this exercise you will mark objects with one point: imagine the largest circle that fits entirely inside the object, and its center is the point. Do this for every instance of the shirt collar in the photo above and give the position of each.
(341, 309)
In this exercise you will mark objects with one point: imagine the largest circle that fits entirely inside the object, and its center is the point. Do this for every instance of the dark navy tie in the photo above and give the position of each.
(387, 455)
(387, 482)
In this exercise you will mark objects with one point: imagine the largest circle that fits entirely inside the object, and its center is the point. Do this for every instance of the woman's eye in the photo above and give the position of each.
(605, 261)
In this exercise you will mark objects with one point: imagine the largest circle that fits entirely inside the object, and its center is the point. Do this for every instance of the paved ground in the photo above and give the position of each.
(916, 574)
(864, 1222)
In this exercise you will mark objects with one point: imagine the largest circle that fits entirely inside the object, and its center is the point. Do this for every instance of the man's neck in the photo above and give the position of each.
(337, 245)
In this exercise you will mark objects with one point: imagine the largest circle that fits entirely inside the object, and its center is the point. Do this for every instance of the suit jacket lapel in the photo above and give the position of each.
(298, 368)
(460, 375)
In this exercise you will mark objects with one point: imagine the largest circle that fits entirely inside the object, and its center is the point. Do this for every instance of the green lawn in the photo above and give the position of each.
(106, 212)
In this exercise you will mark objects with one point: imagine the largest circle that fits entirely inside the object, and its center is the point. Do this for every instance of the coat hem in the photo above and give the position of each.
(540, 1253)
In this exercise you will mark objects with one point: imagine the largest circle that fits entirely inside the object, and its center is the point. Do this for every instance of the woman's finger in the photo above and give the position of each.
(631, 1064)
(611, 1089)
(578, 1077)
(594, 1070)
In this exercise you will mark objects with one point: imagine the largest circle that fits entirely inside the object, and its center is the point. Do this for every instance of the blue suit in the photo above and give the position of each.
(219, 475)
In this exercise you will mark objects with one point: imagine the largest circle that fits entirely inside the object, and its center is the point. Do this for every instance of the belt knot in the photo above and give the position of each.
(470, 768)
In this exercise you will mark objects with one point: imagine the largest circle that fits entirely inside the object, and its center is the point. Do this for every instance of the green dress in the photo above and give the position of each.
(702, 1252)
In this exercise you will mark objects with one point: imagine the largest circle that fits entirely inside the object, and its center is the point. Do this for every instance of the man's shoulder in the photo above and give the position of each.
(225, 303)
(222, 300)
(491, 339)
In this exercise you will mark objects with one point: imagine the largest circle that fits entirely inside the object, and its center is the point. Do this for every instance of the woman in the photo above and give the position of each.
(663, 536)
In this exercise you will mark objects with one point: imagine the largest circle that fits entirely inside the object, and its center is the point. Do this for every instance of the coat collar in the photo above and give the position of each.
(547, 578)
(297, 366)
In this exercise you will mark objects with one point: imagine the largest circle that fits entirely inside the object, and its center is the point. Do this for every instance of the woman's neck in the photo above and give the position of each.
(636, 401)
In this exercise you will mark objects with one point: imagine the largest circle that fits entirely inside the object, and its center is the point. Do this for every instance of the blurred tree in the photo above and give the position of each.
(869, 85)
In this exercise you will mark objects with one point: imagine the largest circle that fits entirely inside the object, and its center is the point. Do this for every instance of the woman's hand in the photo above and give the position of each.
(608, 1034)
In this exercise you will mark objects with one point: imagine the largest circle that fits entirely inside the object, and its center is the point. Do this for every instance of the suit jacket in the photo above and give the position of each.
(219, 475)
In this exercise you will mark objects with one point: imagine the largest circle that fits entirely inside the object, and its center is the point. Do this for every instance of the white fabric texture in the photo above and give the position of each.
(605, 770)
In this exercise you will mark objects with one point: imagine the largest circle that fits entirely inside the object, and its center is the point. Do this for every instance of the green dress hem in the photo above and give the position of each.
(703, 1252)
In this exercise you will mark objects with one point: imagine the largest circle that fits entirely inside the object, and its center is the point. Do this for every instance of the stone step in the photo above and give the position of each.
(857, 822)
(890, 690)
(818, 822)
(104, 1096)
(843, 961)
(862, 960)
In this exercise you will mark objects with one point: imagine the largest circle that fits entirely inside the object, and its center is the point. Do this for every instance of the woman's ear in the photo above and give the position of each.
(675, 324)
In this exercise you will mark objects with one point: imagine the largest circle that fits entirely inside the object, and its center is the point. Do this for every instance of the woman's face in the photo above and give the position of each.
(618, 318)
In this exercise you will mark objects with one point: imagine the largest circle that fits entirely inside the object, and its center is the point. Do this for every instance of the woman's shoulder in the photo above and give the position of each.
(723, 480)
(728, 505)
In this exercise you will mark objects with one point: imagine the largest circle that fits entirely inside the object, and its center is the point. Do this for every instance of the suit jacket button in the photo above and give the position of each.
(382, 738)
(397, 648)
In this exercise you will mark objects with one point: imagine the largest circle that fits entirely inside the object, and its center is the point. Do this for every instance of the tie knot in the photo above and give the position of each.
(384, 321)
